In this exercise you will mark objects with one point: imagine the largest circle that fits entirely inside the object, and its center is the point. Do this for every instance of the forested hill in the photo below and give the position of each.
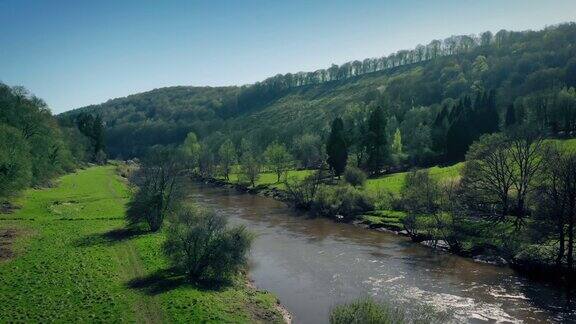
(425, 92)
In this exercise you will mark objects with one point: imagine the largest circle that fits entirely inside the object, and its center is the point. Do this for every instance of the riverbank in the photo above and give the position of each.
(67, 257)
(481, 241)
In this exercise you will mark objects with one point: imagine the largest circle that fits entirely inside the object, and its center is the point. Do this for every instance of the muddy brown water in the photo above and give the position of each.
(312, 264)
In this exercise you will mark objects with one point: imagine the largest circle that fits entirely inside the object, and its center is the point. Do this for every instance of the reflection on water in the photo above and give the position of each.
(312, 264)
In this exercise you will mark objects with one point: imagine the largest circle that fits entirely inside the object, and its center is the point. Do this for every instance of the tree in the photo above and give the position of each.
(159, 191)
(206, 162)
(191, 148)
(555, 197)
(199, 244)
(15, 169)
(308, 150)
(336, 147)
(420, 193)
(354, 176)
(250, 167)
(397, 142)
(278, 159)
(487, 177)
(93, 128)
(227, 157)
(376, 144)
(526, 152)
(510, 117)
(303, 192)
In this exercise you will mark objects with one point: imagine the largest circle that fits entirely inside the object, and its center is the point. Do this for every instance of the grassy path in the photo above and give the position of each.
(147, 308)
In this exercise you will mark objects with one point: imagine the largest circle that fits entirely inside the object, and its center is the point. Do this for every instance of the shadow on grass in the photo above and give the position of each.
(166, 280)
(110, 237)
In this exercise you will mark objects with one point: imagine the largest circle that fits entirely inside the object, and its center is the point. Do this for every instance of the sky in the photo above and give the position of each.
(76, 53)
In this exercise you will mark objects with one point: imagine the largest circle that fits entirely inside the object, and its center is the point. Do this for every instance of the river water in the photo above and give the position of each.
(312, 264)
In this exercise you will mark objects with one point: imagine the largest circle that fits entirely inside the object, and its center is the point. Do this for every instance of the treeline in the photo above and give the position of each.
(524, 77)
(35, 146)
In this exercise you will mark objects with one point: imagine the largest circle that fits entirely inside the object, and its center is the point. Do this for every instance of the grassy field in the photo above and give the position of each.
(73, 261)
(393, 182)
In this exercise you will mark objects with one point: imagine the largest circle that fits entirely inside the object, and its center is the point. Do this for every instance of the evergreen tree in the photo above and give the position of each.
(460, 133)
(336, 147)
(510, 117)
(377, 146)
(492, 119)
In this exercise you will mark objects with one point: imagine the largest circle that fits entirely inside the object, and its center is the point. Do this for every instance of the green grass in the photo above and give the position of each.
(393, 182)
(391, 219)
(74, 263)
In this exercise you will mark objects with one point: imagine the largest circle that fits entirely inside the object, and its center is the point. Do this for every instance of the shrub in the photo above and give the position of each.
(302, 193)
(200, 245)
(345, 200)
(354, 176)
(365, 311)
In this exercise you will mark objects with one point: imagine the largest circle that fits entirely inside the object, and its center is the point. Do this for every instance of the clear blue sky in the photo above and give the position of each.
(75, 53)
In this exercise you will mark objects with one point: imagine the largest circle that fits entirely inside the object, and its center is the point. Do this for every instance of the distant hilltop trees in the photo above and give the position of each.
(458, 44)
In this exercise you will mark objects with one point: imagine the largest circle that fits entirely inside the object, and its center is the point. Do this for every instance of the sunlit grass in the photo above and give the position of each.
(393, 182)
(70, 266)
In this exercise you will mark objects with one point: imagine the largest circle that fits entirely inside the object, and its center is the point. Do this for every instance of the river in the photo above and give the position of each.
(312, 264)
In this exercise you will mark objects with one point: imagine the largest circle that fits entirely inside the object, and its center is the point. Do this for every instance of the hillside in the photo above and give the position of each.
(527, 69)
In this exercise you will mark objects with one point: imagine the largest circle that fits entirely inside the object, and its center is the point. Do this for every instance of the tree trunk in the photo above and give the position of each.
(562, 239)
(571, 240)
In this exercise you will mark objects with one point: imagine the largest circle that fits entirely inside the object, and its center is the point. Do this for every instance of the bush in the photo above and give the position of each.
(302, 193)
(354, 176)
(345, 200)
(365, 311)
(200, 245)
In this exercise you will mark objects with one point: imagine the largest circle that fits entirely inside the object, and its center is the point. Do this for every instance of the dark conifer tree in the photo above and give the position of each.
(376, 144)
(336, 147)
(510, 117)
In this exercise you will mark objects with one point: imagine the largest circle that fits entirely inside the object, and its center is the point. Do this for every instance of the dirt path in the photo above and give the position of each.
(147, 308)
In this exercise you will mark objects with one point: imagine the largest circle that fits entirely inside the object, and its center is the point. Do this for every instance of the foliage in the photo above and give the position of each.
(278, 159)
(309, 150)
(199, 244)
(445, 88)
(376, 142)
(192, 150)
(341, 201)
(15, 170)
(159, 189)
(34, 147)
(354, 176)
(93, 128)
(302, 193)
(336, 147)
(250, 168)
(226, 157)
(420, 193)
